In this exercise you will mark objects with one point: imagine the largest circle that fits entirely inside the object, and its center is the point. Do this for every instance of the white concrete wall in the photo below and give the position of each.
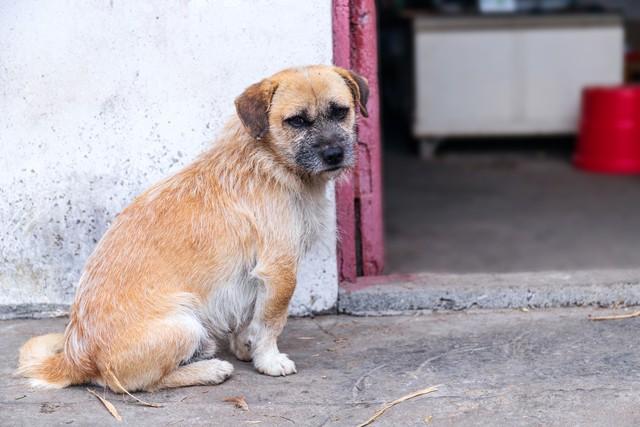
(99, 99)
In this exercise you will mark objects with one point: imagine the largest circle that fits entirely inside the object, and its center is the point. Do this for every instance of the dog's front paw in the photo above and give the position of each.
(241, 347)
(274, 364)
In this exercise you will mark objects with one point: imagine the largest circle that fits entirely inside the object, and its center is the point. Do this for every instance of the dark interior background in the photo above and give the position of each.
(495, 204)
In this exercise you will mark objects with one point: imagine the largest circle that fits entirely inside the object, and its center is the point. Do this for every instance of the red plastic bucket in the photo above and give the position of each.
(609, 139)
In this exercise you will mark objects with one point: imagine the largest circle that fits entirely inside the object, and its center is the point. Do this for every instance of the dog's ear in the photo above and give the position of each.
(253, 107)
(359, 88)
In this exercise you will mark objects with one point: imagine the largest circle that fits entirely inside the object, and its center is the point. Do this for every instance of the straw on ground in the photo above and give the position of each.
(616, 316)
(389, 405)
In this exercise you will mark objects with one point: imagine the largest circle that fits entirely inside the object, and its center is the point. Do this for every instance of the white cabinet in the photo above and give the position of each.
(510, 75)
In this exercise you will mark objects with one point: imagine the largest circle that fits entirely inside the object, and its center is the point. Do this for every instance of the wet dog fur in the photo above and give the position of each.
(210, 255)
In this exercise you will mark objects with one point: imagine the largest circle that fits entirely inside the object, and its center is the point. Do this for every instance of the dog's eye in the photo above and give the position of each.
(338, 113)
(297, 122)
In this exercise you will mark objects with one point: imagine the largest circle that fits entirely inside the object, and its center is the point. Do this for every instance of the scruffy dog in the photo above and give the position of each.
(211, 253)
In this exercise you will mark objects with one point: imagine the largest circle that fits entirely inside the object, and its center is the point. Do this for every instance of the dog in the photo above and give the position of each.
(210, 254)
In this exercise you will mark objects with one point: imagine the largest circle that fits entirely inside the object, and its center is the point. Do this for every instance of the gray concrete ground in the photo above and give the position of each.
(549, 367)
(507, 213)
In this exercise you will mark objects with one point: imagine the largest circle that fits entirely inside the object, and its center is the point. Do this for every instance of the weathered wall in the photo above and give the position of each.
(99, 99)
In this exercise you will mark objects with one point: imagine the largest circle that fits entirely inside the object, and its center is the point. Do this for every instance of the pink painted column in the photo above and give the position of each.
(345, 192)
(359, 199)
(364, 60)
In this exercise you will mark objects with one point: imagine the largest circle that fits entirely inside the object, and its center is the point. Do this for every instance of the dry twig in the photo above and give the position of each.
(124, 390)
(238, 402)
(112, 409)
(386, 406)
(616, 317)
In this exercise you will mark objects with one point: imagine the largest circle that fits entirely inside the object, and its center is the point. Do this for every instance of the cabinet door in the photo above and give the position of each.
(558, 64)
(466, 81)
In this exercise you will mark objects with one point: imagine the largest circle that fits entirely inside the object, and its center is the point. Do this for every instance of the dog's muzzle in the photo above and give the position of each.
(333, 156)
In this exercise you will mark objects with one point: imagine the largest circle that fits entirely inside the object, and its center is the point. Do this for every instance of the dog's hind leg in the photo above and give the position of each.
(204, 372)
(159, 353)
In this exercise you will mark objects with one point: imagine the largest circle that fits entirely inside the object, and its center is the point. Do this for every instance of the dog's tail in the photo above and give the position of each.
(43, 361)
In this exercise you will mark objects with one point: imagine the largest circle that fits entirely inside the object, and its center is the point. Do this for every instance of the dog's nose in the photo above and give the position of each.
(333, 156)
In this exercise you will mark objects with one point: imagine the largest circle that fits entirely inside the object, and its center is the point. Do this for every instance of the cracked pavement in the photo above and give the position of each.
(549, 367)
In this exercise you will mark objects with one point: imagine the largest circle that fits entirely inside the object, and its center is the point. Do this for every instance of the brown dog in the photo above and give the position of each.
(212, 252)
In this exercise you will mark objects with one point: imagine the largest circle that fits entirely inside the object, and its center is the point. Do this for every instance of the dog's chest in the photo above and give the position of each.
(312, 212)
(231, 305)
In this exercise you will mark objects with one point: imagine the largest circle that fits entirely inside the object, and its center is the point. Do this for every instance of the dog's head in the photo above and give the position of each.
(307, 116)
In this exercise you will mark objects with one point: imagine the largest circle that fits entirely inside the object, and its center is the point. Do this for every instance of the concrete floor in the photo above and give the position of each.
(501, 213)
(548, 367)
